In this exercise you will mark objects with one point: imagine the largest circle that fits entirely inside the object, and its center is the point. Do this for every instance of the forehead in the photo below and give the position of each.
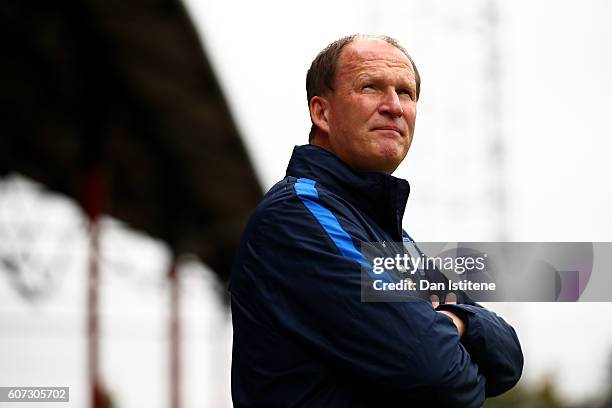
(374, 56)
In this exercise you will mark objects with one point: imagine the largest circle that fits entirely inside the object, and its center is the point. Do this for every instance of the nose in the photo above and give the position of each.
(390, 104)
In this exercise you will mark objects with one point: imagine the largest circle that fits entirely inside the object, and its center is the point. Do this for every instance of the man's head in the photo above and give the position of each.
(362, 93)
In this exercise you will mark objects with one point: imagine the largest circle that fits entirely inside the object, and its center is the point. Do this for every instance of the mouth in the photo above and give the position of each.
(391, 128)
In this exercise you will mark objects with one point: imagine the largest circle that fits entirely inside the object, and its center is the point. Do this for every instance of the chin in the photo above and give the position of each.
(386, 164)
(394, 154)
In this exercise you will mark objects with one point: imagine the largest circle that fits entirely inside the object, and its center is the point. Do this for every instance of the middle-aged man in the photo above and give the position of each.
(303, 337)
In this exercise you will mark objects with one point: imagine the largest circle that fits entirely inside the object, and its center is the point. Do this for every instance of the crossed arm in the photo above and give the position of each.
(459, 324)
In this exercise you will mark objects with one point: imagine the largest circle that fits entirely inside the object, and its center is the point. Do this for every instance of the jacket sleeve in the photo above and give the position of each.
(492, 344)
(311, 291)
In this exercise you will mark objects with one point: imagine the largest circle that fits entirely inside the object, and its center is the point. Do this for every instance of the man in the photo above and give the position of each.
(302, 335)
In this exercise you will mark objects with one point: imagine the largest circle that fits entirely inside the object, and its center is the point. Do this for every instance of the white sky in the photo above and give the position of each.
(554, 59)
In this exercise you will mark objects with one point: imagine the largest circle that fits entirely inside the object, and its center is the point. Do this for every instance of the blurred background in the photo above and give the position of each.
(138, 135)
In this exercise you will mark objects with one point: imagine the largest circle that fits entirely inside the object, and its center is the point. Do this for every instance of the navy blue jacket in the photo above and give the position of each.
(302, 335)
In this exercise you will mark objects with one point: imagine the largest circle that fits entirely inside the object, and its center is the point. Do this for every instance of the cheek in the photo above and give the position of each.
(410, 114)
(353, 123)
(343, 118)
(361, 110)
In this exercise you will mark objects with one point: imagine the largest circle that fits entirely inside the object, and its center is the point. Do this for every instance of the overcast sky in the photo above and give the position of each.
(548, 105)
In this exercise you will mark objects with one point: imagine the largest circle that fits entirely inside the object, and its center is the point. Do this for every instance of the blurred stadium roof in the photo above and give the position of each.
(124, 89)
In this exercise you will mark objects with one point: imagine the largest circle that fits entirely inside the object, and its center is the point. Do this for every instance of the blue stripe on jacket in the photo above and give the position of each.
(307, 192)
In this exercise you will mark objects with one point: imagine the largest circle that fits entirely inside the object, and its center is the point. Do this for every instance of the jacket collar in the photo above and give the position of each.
(382, 196)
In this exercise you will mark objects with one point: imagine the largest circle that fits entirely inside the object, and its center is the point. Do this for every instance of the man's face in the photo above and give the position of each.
(372, 110)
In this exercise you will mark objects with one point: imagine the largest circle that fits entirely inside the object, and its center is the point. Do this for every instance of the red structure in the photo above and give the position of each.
(93, 199)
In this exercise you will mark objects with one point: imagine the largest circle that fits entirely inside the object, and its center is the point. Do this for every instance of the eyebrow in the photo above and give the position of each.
(366, 77)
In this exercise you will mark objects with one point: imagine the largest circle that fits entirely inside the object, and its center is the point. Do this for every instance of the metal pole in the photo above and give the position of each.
(493, 116)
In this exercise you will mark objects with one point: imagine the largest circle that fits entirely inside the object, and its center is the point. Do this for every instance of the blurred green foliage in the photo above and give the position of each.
(544, 395)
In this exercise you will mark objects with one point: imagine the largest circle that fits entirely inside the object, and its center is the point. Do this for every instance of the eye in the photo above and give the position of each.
(368, 87)
(404, 92)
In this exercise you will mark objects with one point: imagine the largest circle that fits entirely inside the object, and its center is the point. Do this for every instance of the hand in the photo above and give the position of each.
(451, 299)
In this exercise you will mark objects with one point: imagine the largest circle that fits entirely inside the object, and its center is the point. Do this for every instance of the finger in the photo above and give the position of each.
(451, 299)
(435, 300)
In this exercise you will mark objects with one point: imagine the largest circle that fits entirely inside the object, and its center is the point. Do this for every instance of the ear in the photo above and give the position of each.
(319, 112)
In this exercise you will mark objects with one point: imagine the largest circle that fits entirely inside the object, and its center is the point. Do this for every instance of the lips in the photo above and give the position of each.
(390, 127)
